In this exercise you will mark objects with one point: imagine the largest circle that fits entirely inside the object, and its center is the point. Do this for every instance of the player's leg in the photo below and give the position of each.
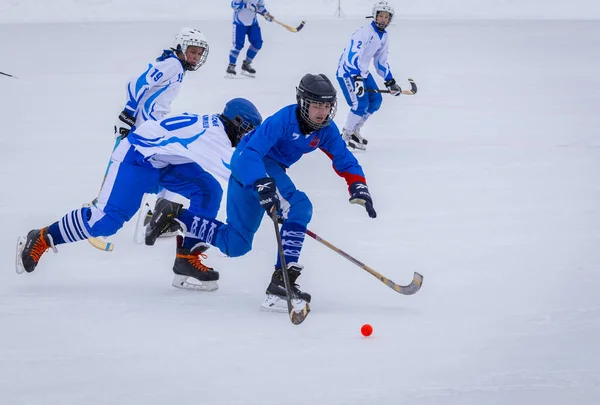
(205, 194)
(297, 213)
(256, 42)
(358, 108)
(118, 201)
(238, 37)
(375, 100)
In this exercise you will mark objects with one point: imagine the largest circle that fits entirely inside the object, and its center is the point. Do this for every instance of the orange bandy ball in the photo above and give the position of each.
(366, 330)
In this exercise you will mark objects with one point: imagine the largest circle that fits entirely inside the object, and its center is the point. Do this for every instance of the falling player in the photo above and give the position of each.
(369, 42)
(182, 153)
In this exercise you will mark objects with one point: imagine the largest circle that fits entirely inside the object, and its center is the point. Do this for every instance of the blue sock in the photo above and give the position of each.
(292, 239)
(199, 228)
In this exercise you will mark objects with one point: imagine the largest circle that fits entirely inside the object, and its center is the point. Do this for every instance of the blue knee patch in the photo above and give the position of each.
(375, 100)
(301, 209)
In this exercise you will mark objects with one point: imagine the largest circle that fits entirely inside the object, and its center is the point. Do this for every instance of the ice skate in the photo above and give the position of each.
(275, 300)
(247, 69)
(162, 220)
(354, 140)
(190, 272)
(31, 248)
(230, 72)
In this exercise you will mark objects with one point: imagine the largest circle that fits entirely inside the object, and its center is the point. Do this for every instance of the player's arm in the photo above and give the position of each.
(346, 166)
(380, 61)
(237, 5)
(247, 166)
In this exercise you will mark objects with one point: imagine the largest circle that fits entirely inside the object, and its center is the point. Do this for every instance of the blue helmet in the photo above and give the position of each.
(240, 117)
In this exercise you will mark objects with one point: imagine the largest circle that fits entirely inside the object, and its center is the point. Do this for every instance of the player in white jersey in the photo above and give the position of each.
(369, 42)
(245, 23)
(183, 153)
(149, 96)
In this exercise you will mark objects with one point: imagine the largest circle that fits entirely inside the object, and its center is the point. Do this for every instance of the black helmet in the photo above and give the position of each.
(240, 116)
(315, 89)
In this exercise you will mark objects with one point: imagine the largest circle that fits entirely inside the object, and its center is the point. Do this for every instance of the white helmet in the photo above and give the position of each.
(382, 6)
(191, 37)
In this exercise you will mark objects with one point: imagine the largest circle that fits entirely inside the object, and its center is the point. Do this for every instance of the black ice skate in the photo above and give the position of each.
(276, 294)
(247, 69)
(162, 221)
(230, 72)
(31, 248)
(354, 140)
(188, 264)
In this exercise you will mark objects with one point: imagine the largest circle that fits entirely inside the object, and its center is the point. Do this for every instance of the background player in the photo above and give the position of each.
(369, 42)
(245, 23)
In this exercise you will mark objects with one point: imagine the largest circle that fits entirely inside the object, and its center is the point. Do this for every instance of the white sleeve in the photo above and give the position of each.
(157, 76)
(380, 60)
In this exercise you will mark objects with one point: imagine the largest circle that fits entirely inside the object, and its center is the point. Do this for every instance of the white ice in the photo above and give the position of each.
(486, 182)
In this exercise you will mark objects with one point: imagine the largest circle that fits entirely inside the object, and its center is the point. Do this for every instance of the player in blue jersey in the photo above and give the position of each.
(259, 182)
(369, 42)
(184, 154)
(245, 23)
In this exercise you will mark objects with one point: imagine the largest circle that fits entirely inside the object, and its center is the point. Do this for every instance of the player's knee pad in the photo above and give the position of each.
(375, 100)
(256, 45)
(301, 209)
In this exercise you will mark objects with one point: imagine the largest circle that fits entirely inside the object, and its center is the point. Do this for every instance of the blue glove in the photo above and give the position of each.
(359, 194)
(267, 194)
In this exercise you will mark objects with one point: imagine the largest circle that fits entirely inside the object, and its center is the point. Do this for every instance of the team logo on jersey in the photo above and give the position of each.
(314, 142)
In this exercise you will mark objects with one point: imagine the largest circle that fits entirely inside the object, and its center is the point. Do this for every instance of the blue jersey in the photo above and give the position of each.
(280, 138)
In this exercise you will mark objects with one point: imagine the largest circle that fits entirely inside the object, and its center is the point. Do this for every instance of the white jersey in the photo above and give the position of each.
(149, 96)
(365, 44)
(243, 16)
(184, 139)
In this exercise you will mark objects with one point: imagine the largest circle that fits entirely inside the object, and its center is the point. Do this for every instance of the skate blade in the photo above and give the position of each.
(19, 268)
(182, 283)
(230, 76)
(139, 236)
(356, 147)
(251, 75)
(273, 303)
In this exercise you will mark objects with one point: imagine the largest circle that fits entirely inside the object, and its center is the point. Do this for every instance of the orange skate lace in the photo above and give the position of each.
(40, 247)
(195, 261)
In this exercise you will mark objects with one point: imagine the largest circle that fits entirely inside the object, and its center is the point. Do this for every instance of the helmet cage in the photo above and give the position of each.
(191, 37)
(304, 102)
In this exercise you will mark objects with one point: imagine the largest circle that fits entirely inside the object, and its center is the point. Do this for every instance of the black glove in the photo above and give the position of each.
(359, 87)
(359, 194)
(267, 194)
(393, 87)
(124, 124)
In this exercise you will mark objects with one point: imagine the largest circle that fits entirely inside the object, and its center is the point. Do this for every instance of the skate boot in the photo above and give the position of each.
(247, 69)
(162, 220)
(230, 70)
(276, 294)
(354, 140)
(188, 264)
(31, 248)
